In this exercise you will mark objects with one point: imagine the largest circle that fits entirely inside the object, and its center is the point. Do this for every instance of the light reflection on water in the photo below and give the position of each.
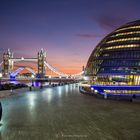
(14, 82)
(49, 98)
(48, 94)
(59, 91)
(66, 90)
(30, 103)
(31, 98)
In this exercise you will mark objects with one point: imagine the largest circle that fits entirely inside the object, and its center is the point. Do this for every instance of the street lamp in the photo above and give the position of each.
(32, 76)
(0, 79)
(32, 79)
(0, 75)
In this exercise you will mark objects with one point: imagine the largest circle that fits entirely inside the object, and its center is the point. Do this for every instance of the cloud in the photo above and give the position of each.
(110, 22)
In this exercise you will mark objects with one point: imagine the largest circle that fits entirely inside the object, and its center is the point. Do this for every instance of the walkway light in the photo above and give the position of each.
(92, 88)
(32, 76)
(0, 75)
(22, 58)
(0, 78)
(96, 91)
(32, 79)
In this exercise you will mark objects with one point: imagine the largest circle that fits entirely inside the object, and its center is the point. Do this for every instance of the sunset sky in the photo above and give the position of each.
(68, 30)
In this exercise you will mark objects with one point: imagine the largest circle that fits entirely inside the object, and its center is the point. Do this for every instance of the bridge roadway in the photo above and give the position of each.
(62, 113)
(63, 80)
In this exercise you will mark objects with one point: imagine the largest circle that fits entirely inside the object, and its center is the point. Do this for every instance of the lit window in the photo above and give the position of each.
(131, 27)
(122, 46)
(124, 39)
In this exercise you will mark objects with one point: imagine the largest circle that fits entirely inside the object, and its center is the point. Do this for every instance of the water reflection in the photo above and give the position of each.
(31, 100)
(49, 98)
(70, 87)
(32, 103)
(47, 94)
(59, 91)
(66, 90)
(14, 82)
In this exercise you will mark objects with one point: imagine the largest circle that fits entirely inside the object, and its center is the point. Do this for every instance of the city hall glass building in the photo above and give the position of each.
(116, 59)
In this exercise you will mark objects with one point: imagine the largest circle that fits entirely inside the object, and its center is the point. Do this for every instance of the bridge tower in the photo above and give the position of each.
(41, 67)
(7, 62)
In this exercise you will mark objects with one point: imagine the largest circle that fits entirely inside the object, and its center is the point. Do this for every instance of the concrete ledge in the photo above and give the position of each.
(84, 91)
(5, 93)
(136, 100)
(89, 93)
(119, 98)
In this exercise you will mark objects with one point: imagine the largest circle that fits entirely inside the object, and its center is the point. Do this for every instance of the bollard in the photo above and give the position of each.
(41, 87)
(30, 88)
(0, 111)
(105, 96)
(11, 90)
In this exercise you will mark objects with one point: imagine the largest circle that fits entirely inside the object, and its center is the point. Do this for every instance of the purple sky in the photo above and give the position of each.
(67, 29)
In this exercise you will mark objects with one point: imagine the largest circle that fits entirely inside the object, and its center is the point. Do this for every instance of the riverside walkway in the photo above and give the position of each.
(63, 113)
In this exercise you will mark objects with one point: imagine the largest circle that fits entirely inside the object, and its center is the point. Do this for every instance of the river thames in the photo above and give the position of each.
(62, 112)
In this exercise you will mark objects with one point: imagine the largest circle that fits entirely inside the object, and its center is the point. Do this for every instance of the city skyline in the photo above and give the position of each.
(67, 30)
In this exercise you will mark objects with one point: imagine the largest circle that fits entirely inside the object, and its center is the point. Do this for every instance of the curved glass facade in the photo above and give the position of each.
(116, 59)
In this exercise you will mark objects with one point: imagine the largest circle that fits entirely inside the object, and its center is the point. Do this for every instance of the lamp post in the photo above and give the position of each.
(32, 80)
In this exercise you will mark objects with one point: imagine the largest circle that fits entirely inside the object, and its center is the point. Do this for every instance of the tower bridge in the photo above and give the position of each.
(42, 69)
(24, 59)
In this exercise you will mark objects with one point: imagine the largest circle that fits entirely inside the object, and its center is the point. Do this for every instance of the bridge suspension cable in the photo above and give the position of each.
(1, 63)
(30, 70)
(78, 74)
(54, 70)
(60, 73)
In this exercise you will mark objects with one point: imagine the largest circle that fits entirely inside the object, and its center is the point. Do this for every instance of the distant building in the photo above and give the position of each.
(116, 59)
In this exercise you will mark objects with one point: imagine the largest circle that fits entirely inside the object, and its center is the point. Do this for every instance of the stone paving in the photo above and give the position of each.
(5, 93)
(62, 113)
